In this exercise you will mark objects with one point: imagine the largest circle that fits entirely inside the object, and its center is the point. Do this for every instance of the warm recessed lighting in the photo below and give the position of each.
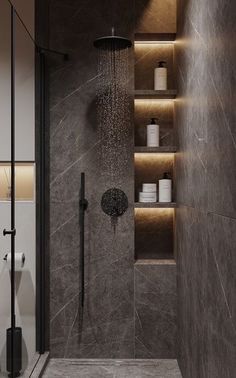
(148, 43)
(154, 156)
(141, 212)
(140, 101)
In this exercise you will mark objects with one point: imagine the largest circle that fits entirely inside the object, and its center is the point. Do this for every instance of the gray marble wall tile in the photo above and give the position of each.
(205, 108)
(221, 296)
(106, 326)
(206, 186)
(206, 293)
(221, 109)
(191, 240)
(155, 310)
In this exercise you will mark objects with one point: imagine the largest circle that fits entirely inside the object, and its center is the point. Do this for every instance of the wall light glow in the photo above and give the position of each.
(154, 43)
(24, 180)
(154, 156)
(154, 212)
(153, 101)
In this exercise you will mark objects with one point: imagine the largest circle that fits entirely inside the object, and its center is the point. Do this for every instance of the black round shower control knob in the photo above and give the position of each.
(114, 202)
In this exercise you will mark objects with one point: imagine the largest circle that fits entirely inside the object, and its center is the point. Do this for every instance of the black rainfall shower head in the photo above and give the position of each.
(112, 42)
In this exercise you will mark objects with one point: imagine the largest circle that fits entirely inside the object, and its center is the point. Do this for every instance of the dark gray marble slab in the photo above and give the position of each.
(221, 296)
(206, 185)
(105, 328)
(150, 94)
(155, 205)
(192, 255)
(155, 310)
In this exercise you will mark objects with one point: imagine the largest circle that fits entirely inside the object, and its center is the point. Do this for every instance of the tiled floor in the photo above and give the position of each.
(112, 369)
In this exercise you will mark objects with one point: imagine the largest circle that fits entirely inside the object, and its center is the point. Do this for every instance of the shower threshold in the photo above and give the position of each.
(115, 368)
(37, 366)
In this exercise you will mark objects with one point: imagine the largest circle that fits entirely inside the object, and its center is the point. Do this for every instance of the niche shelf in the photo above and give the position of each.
(161, 149)
(155, 262)
(149, 94)
(155, 37)
(24, 182)
(154, 205)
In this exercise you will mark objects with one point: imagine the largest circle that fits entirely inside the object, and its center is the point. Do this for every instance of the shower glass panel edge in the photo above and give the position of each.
(18, 50)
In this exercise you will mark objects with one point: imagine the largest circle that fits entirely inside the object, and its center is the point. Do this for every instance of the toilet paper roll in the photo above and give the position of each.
(19, 261)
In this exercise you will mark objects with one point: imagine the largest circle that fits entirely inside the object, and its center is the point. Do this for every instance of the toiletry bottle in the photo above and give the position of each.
(149, 193)
(160, 79)
(165, 188)
(153, 134)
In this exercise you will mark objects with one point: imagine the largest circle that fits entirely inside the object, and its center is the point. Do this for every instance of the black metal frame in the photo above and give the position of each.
(42, 199)
(83, 205)
(42, 173)
(12, 232)
(42, 185)
(42, 222)
(42, 181)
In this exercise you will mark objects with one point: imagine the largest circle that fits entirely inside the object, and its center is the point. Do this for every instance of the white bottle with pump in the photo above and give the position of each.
(165, 188)
(153, 134)
(160, 79)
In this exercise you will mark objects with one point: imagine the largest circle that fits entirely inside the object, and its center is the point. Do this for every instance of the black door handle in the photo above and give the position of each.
(9, 232)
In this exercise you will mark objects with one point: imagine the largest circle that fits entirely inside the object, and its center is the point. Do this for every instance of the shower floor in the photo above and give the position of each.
(69, 368)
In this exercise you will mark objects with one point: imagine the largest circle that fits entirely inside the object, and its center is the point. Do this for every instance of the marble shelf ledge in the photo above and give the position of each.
(149, 94)
(155, 37)
(155, 262)
(155, 205)
(161, 149)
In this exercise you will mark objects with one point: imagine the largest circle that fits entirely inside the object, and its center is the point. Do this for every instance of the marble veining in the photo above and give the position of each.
(105, 327)
(206, 188)
(112, 369)
(155, 311)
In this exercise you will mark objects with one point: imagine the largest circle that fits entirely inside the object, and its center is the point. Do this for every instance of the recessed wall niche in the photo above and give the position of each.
(154, 227)
(154, 233)
(147, 56)
(149, 168)
(163, 111)
(24, 181)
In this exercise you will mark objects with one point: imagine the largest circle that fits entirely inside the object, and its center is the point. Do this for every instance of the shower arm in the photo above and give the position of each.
(83, 205)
